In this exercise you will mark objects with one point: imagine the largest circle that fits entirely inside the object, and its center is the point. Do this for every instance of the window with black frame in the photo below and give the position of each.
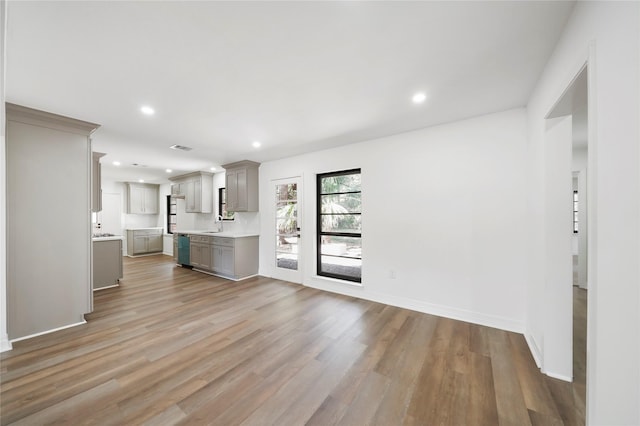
(172, 214)
(222, 205)
(575, 212)
(339, 221)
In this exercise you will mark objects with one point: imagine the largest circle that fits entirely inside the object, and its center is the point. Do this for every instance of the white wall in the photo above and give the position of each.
(4, 337)
(443, 208)
(608, 33)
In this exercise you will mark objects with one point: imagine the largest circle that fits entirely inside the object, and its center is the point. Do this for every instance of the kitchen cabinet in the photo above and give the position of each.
(223, 260)
(235, 258)
(96, 181)
(142, 198)
(179, 189)
(107, 263)
(241, 180)
(196, 189)
(144, 241)
(200, 251)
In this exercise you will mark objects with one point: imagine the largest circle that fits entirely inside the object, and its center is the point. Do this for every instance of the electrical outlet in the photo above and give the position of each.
(392, 274)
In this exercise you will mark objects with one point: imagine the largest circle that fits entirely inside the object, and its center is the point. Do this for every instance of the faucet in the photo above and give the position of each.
(220, 223)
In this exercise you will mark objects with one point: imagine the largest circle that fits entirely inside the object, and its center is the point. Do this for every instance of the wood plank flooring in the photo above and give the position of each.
(173, 346)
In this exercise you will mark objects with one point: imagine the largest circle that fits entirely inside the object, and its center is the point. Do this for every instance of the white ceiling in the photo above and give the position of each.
(297, 76)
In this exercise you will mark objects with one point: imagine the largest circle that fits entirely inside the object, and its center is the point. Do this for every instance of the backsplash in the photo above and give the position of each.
(244, 222)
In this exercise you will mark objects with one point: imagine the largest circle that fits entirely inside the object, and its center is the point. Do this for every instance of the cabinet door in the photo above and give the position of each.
(227, 265)
(140, 244)
(241, 188)
(216, 259)
(136, 200)
(196, 254)
(150, 201)
(232, 190)
(190, 194)
(223, 258)
(155, 243)
(206, 257)
(193, 198)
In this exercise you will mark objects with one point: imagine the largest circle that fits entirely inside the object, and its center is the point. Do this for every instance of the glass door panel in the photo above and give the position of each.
(287, 227)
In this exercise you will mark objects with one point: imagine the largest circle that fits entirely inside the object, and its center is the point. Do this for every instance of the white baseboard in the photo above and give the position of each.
(425, 307)
(5, 344)
(534, 348)
(48, 331)
(559, 376)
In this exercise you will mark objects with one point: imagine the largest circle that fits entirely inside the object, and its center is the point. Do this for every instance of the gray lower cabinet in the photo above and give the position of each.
(235, 258)
(223, 260)
(200, 252)
(144, 241)
(107, 263)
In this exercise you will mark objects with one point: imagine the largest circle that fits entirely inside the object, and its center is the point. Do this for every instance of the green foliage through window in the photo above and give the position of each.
(340, 225)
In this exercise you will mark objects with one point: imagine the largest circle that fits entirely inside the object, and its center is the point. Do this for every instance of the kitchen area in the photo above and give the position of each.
(206, 221)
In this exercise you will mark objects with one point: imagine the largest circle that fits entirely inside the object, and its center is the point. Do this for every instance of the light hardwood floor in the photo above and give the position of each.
(173, 346)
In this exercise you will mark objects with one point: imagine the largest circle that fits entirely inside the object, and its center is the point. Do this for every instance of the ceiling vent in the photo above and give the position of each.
(180, 147)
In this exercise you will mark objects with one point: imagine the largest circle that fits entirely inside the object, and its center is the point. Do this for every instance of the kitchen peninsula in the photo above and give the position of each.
(232, 255)
(107, 261)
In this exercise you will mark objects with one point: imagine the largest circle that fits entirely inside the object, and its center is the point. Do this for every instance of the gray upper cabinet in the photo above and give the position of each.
(242, 186)
(196, 189)
(142, 198)
(96, 182)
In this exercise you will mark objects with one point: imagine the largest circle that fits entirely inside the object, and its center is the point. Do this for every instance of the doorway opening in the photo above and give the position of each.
(568, 194)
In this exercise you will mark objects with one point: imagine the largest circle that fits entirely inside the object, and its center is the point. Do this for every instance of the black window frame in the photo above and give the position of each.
(320, 233)
(222, 209)
(575, 211)
(171, 202)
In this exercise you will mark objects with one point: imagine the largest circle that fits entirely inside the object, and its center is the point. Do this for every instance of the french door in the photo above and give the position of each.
(287, 209)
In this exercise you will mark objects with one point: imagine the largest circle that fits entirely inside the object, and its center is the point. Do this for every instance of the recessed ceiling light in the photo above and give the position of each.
(116, 163)
(147, 110)
(213, 169)
(141, 180)
(419, 98)
(168, 170)
(256, 144)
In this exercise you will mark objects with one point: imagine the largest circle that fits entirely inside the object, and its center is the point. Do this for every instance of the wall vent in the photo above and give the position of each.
(180, 147)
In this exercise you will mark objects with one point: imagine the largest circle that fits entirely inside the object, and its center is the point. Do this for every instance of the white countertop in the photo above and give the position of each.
(144, 229)
(217, 234)
(115, 237)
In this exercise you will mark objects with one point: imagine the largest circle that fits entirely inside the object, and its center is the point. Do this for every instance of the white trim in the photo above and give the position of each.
(559, 376)
(5, 344)
(534, 348)
(427, 308)
(48, 331)
(221, 276)
(155, 253)
(338, 281)
(107, 286)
